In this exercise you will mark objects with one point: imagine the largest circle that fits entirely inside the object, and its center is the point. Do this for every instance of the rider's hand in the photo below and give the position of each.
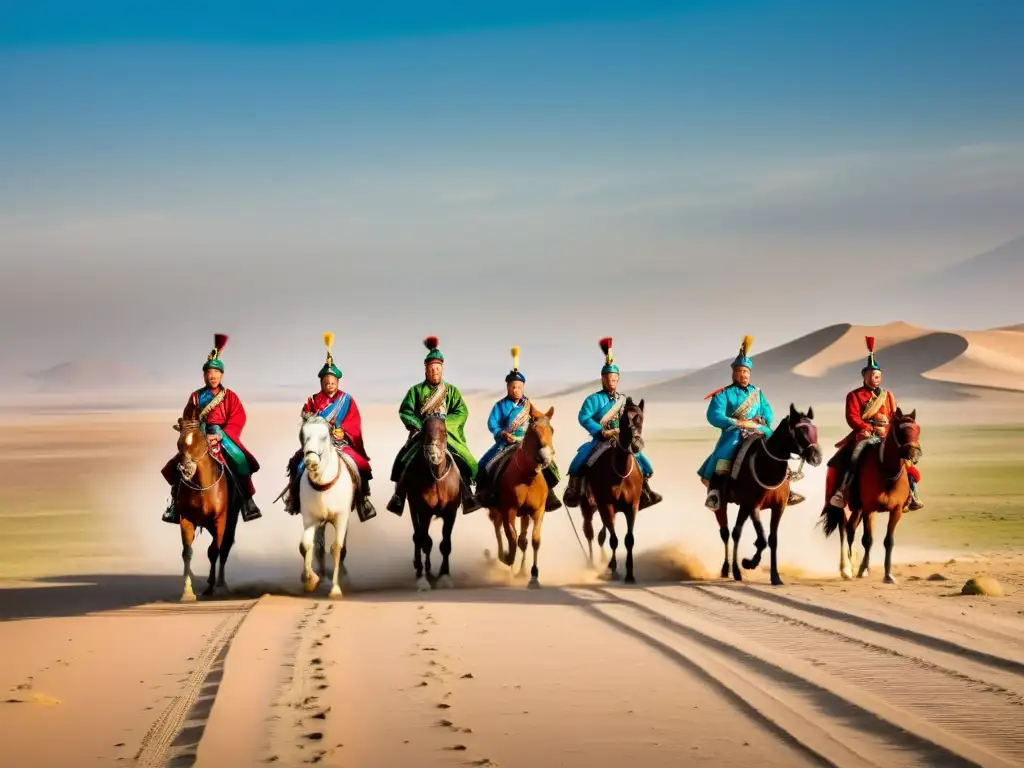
(507, 437)
(745, 424)
(610, 434)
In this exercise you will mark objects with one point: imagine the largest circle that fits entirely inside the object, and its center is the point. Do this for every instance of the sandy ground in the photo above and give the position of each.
(681, 669)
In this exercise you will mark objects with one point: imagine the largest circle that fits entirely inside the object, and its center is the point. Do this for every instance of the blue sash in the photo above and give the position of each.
(337, 411)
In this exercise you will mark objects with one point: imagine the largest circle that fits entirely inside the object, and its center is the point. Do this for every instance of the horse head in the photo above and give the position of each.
(540, 436)
(435, 439)
(631, 427)
(314, 437)
(905, 432)
(192, 446)
(803, 435)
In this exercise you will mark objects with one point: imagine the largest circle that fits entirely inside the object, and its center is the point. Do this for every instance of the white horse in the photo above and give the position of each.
(326, 494)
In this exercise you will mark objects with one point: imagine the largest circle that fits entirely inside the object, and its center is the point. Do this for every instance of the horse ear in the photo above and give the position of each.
(629, 401)
(899, 413)
(551, 412)
(912, 415)
(177, 427)
(792, 411)
(641, 405)
(810, 412)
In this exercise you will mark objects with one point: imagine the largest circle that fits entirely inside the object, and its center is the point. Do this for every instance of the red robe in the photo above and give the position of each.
(350, 429)
(861, 428)
(229, 415)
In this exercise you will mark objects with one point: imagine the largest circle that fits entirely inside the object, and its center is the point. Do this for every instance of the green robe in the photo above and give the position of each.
(456, 412)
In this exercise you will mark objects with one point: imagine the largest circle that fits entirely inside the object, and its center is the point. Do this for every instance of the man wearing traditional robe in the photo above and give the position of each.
(508, 422)
(599, 415)
(222, 417)
(340, 409)
(434, 395)
(869, 409)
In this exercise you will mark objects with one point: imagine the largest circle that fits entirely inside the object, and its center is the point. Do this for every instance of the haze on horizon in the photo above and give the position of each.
(652, 171)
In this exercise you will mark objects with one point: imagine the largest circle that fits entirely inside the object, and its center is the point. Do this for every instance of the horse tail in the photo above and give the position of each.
(832, 517)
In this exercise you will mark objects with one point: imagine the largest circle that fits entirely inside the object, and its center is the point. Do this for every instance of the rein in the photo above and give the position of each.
(788, 475)
(324, 487)
(881, 452)
(188, 461)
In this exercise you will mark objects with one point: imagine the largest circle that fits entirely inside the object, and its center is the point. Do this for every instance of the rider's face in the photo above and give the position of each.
(514, 389)
(433, 372)
(212, 377)
(741, 376)
(329, 384)
(610, 381)
(873, 379)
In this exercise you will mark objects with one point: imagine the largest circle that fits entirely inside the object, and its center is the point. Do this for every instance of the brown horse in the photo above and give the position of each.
(762, 482)
(434, 487)
(204, 500)
(880, 485)
(614, 484)
(521, 491)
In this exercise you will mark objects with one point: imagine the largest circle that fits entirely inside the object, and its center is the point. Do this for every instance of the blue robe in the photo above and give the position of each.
(503, 413)
(594, 408)
(722, 413)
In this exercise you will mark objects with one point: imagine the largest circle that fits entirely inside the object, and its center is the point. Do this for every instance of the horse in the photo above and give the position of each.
(762, 482)
(322, 500)
(203, 500)
(521, 491)
(433, 487)
(880, 485)
(614, 484)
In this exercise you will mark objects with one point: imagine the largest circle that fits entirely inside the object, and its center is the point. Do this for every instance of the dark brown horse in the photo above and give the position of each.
(880, 485)
(434, 486)
(762, 482)
(521, 492)
(614, 484)
(204, 501)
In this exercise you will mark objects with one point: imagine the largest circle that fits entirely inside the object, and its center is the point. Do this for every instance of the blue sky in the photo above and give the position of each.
(385, 147)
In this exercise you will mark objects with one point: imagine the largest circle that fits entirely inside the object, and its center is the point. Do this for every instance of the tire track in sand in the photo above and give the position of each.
(158, 746)
(828, 690)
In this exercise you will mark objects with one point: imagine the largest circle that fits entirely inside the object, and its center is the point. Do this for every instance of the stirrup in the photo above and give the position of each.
(170, 515)
(838, 500)
(396, 505)
(714, 499)
(552, 503)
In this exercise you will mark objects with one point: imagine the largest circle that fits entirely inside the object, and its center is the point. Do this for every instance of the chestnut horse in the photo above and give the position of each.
(614, 484)
(433, 485)
(204, 500)
(521, 491)
(879, 485)
(762, 482)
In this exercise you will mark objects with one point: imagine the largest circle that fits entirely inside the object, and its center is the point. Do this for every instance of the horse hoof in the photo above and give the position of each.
(188, 597)
(534, 584)
(847, 574)
(725, 571)
(748, 564)
(889, 579)
(310, 584)
(630, 579)
(422, 585)
(444, 582)
(736, 575)
(777, 582)
(335, 593)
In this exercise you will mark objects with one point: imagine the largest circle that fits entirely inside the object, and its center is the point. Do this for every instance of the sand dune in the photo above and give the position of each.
(918, 362)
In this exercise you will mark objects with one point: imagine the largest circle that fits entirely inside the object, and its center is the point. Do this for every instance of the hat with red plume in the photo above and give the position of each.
(433, 353)
(872, 365)
(609, 358)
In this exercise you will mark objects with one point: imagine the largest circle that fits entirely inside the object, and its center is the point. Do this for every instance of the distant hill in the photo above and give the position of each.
(90, 376)
(918, 363)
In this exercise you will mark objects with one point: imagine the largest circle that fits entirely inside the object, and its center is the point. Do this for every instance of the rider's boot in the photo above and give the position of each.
(397, 503)
(571, 497)
(648, 498)
(291, 503)
(364, 507)
(483, 488)
(170, 514)
(839, 497)
(552, 502)
(716, 491)
(794, 498)
(250, 511)
(470, 503)
(915, 500)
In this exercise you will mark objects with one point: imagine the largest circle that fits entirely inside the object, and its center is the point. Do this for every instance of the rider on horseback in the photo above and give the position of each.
(739, 410)
(339, 408)
(599, 415)
(434, 395)
(508, 423)
(221, 413)
(869, 408)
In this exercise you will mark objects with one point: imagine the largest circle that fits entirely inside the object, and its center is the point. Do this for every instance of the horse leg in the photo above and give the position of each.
(226, 544)
(444, 577)
(538, 518)
(601, 536)
(320, 548)
(213, 552)
(306, 544)
(427, 544)
(759, 544)
(890, 541)
(498, 540)
(630, 522)
(524, 535)
(852, 522)
(508, 522)
(340, 534)
(722, 516)
(188, 535)
(608, 519)
(867, 540)
(737, 531)
(588, 532)
(422, 585)
(773, 541)
(845, 552)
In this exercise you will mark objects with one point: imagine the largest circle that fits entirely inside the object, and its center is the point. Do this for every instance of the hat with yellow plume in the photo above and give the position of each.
(329, 366)
(515, 374)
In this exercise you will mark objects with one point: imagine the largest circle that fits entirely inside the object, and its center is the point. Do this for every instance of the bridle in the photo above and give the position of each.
(804, 427)
(519, 448)
(322, 487)
(446, 462)
(627, 449)
(894, 430)
(189, 464)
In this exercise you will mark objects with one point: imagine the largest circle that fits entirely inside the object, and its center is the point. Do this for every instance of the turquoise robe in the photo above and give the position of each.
(601, 411)
(503, 414)
(728, 406)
